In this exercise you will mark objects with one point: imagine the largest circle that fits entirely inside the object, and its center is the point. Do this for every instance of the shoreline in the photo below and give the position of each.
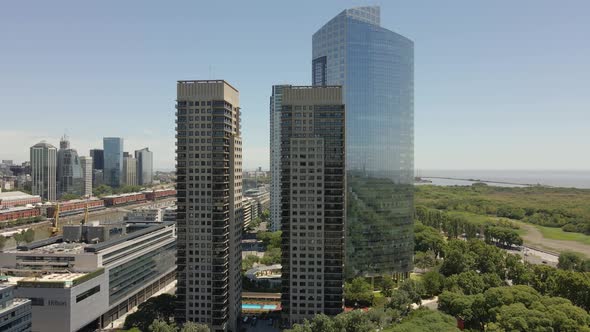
(482, 181)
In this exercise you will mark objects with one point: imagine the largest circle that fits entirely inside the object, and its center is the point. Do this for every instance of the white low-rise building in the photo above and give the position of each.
(74, 283)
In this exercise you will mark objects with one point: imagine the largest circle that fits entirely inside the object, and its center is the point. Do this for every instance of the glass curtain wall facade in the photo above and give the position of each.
(375, 66)
(69, 170)
(113, 161)
(145, 168)
(97, 158)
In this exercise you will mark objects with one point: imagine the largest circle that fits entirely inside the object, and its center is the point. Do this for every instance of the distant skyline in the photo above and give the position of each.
(498, 85)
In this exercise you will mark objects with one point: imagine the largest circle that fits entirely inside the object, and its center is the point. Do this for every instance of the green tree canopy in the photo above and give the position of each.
(358, 292)
(159, 308)
(426, 320)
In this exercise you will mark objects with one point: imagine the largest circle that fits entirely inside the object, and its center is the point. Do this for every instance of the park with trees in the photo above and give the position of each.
(478, 284)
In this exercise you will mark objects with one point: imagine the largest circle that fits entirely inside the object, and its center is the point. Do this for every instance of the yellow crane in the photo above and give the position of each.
(85, 220)
(55, 228)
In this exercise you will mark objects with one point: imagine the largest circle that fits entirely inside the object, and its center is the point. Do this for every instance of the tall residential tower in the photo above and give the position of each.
(44, 170)
(375, 66)
(276, 100)
(312, 201)
(209, 203)
(86, 163)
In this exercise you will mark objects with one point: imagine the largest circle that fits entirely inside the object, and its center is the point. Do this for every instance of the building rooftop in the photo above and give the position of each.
(91, 199)
(15, 195)
(52, 248)
(44, 144)
(55, 245)
(55, 277)
(122, 195)
(206, 82)
(16, 208)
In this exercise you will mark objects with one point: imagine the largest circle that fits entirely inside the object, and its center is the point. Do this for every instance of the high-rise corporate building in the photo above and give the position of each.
(145, 170)
(312, 201)
(69, 170)
(44, 170)
(113, 161)
(129, 171)
(87, 172)
(209, 203)
(97, 158)
(375, 66)
(276, 100)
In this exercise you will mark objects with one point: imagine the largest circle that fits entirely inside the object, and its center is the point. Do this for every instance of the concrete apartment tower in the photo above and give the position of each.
(209, 203)
(276, 100)
(44, 170)
(145, 169)
(129, 171)
(312, 201)
(375, 68)
(113, 161)
(87, 171)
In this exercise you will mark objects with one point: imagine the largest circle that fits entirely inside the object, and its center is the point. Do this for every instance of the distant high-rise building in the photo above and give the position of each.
(113, 161)
(97, 158)
(375, 66)
(97, 178)
(275, 156)
(209, 203)
(129, 171)
(87, 173)
(312, 201)
(44, 170)
(69, 170)
(145, 170)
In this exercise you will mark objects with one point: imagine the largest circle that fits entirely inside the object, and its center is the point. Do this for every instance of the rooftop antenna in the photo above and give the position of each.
(210, 72)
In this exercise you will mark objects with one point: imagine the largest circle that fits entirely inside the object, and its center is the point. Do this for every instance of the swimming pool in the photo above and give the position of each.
(251, 306)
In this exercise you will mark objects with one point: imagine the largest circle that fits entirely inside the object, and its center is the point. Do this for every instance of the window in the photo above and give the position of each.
(87, 293)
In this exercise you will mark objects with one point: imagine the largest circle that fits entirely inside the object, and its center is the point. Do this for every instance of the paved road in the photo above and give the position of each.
(535, 238)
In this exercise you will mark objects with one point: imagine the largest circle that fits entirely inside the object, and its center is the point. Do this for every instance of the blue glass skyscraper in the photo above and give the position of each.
(375, 66)
(113, 160)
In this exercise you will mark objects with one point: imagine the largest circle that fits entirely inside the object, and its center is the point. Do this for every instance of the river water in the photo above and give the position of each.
(554, 178)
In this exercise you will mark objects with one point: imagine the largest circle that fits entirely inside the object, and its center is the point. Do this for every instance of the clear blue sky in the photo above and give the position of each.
(499, 84)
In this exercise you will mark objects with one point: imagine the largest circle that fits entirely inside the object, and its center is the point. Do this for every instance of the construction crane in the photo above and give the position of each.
(85, 220)
(55, 226)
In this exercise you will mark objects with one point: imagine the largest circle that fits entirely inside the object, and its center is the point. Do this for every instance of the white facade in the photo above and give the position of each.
(44, 170)
(82, 284)
(86, 175)
(129, 171)
(15, 313)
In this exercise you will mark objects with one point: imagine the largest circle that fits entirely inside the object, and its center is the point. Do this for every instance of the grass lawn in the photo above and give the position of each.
(478, 218)
(558, 234)
(415, 276)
